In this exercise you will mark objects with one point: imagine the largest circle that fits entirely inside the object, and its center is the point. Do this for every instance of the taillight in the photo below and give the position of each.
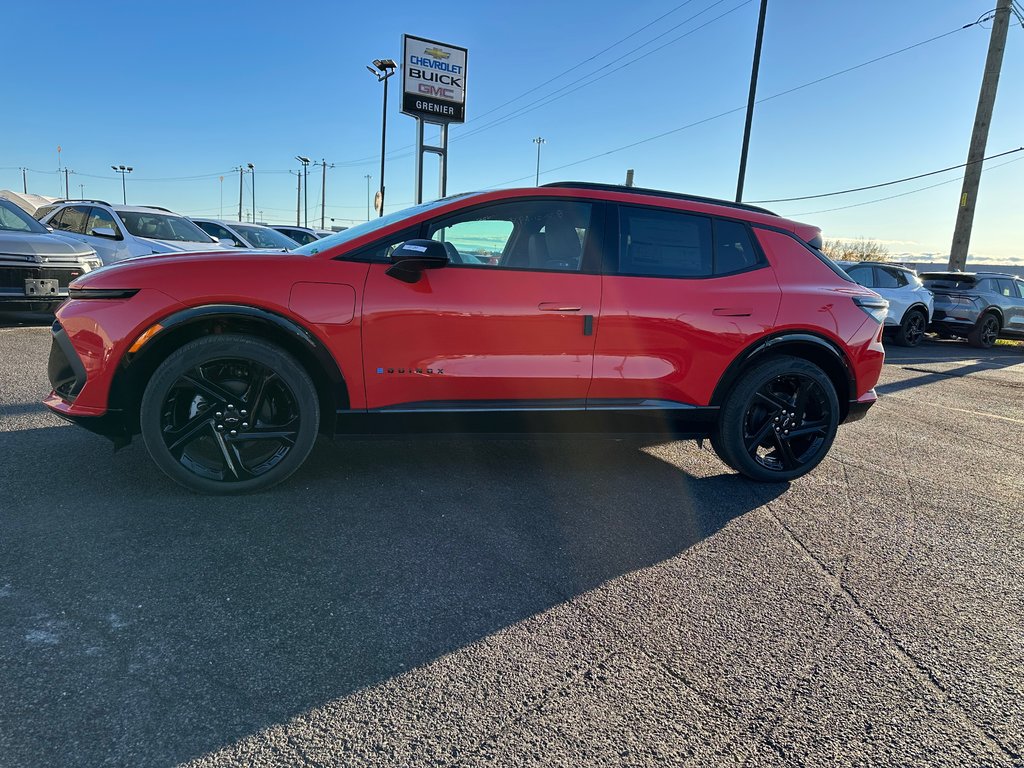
(875, 306)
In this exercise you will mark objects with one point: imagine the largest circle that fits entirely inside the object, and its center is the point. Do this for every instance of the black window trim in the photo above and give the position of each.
(613, 268)
(590, 262)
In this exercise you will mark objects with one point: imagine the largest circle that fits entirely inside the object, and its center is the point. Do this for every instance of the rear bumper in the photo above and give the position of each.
(859, 407)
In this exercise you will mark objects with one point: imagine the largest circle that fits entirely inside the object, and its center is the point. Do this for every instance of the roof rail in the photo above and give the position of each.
(80, 200)
(155, 208)
(658, 193)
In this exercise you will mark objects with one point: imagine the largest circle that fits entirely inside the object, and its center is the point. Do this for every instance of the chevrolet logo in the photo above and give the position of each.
(437, 53)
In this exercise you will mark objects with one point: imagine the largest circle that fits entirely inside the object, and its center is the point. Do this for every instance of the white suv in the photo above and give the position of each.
(121, 231)
(910, 303)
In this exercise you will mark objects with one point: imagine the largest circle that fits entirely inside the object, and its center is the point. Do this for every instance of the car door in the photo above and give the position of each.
(508, 324)
(891, 285)
(109, 247)
(687, 292)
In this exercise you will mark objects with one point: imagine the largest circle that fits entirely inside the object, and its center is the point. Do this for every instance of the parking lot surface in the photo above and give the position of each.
(519, 602)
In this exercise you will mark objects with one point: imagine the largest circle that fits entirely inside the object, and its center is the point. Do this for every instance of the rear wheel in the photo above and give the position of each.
(229, 414)
(779, 421)
(985, 332)
(911, 329)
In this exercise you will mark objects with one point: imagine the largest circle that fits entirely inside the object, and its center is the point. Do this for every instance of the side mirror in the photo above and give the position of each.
(104, 232)
(413, 256)
(227, 242)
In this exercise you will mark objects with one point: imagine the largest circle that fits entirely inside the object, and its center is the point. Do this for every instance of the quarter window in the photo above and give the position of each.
(862, 276)
(734, 252)
(1005, 288)
(657, 243)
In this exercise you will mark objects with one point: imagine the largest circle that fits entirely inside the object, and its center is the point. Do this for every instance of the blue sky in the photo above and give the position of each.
(193, 89)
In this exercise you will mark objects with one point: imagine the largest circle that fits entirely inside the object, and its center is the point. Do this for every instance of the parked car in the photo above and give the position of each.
(236, 234)
(910, 303)
(36, 266)
(302, 235)
(119, 231)
(978, 306)
(605, 310)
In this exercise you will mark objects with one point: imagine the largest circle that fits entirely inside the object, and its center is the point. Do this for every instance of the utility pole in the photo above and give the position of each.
(538, 141)
(629, 177)
(66, 193)
(81, 191)
(979, 137)
(24, 180)
(324, 165)
(750, 101)
(368, 177)
(298, 198)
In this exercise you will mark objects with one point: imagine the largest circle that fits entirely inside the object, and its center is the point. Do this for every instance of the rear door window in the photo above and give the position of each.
(886, 279)
(1005, 288)
(74, 219)
(659, 243)
(862, 275)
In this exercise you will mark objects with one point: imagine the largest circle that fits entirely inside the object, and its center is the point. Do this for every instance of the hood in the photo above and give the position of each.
(177, 246)
(42, 247)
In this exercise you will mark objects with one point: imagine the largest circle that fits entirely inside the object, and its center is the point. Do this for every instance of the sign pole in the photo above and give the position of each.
(434, 93)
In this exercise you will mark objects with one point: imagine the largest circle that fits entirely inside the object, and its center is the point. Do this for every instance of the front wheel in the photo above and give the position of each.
(779, 421)
(229, 414)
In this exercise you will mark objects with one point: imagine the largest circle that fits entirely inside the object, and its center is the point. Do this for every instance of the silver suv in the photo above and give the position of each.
(910, 303)
(121, 231)
(981, 306)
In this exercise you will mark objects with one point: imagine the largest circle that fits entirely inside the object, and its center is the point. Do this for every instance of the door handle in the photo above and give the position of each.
(556, 306)
(732, 311)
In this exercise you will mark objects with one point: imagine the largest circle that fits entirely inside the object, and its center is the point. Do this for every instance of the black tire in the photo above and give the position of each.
(911, 329)
(779, 421)
(985, 331)
(229, 413)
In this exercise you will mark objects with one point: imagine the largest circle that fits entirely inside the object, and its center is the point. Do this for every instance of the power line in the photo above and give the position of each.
(740, 109)
(901, 194)
(562, 92)
(886, 183)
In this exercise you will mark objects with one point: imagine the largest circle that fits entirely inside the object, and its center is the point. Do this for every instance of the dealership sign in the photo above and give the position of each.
(433, 80)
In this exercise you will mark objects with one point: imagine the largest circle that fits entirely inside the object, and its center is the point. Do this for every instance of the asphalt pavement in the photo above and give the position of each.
(522, 602)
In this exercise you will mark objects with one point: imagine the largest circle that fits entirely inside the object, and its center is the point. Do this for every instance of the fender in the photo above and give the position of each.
(181, 326)
(778, 343)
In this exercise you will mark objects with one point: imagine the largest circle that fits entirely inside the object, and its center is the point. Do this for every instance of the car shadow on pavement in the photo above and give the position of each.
(143, 624)
(938, 360)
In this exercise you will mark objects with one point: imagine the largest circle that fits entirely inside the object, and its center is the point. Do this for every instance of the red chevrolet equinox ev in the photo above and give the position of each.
(570, 308)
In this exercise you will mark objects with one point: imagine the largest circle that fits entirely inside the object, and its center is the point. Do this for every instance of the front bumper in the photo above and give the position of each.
(110, 424)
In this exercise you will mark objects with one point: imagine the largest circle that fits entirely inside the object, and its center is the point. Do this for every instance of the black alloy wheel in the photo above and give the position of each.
(229, 414)
(912, 328)
(779, 421)
(985, 333)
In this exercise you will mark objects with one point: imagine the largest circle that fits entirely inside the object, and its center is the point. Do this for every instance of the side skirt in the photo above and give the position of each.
(641, 418)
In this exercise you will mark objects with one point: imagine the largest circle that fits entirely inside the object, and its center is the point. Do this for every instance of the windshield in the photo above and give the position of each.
(162, 226)
(352, 233)
(13, 219)
(265, 237)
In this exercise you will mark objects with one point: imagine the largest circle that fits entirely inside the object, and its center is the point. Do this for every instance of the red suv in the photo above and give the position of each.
(574, 307)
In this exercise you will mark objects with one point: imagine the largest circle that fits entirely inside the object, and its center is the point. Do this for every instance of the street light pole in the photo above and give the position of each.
(240, 170)
(123, 170)
(24, 180)
(303, 181)
(538, 141)
(368, 177)
(252, 174)
(383, 69)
